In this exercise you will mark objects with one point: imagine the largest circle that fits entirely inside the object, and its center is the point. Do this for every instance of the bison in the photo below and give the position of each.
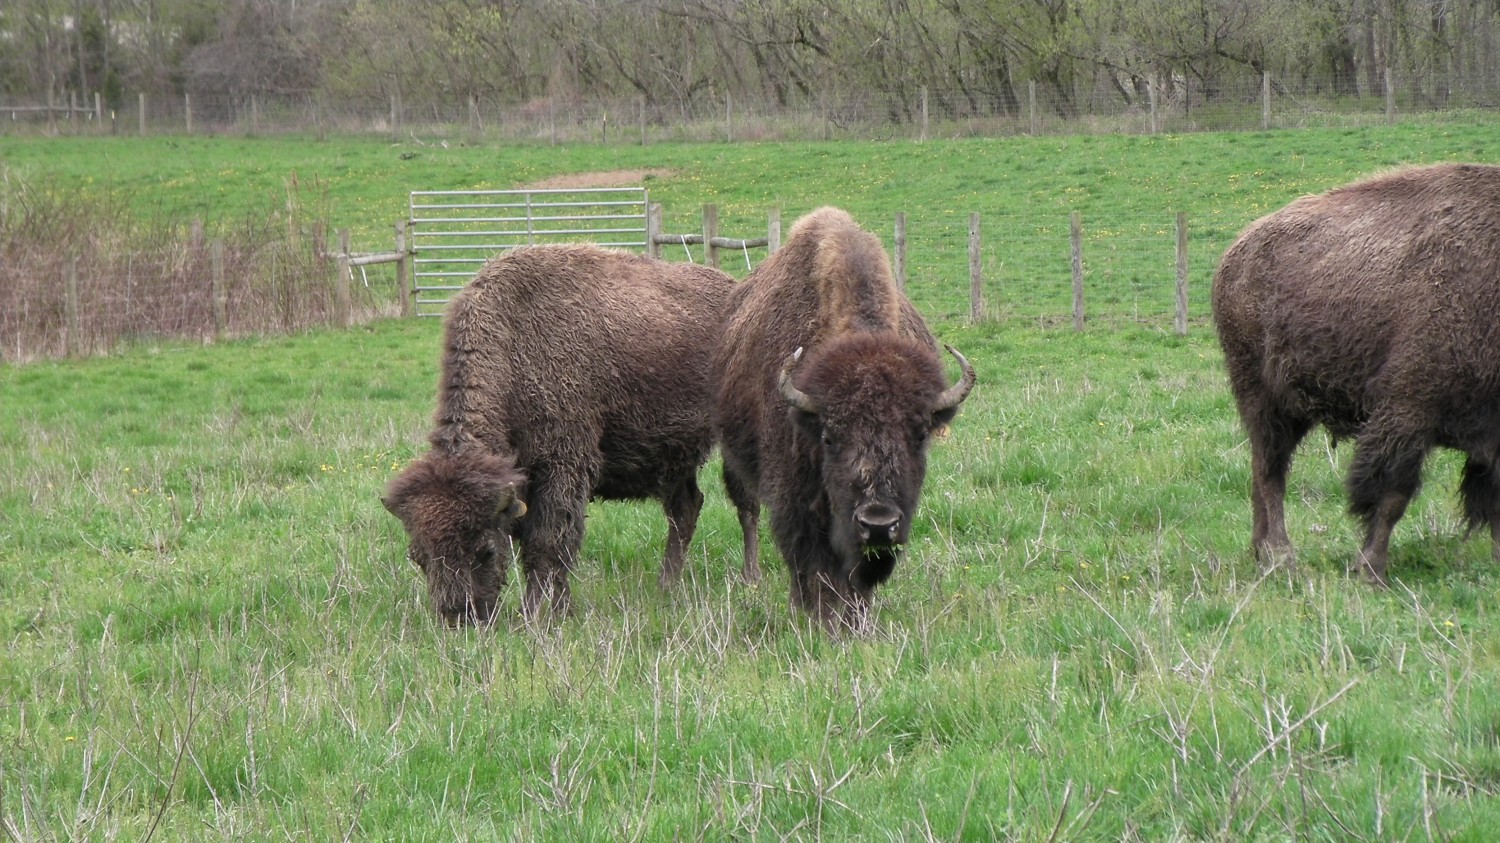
(827, 389)
(1373, 310)
(569, 373)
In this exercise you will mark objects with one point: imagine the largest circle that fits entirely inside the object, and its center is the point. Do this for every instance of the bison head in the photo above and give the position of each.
(867, 405)
(458, 511)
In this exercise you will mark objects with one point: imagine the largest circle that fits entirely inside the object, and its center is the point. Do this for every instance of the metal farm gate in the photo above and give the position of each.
(454, 232)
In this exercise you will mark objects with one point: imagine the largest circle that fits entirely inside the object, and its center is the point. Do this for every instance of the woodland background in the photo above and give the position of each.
(651, 58)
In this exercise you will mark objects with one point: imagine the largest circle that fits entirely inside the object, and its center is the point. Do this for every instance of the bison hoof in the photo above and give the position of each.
(1273, 556)
(1369, 574)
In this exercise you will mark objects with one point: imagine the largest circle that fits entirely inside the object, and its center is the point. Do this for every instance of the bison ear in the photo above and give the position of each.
(513, 508)
(390, 505)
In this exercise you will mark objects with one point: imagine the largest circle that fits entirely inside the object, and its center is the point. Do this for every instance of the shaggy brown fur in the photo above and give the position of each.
(1372, 309)
(843, 472)
(585, 371)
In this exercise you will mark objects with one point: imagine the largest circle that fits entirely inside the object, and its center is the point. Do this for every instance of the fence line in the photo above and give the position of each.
(1166, 105)
(1049, 272)
(656, 238)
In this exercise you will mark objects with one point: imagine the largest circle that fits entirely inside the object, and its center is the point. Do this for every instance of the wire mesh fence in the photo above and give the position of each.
(1164, 105)
(94, 301)
(97, 301)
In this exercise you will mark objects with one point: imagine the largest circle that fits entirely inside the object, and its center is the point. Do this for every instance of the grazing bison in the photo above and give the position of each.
(1374, 310)
(828, 386)
(569, 372)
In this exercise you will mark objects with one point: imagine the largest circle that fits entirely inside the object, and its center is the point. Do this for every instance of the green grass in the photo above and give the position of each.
(207, 614)
(1128, 190)
(209, 628)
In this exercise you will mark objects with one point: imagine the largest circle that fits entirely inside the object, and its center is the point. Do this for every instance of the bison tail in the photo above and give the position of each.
(1480, 493)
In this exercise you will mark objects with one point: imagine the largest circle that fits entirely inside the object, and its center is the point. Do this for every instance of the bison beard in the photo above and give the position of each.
(1372, 310)
(834, 438)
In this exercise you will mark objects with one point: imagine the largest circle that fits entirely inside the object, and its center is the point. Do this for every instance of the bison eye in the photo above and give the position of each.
(829, 440)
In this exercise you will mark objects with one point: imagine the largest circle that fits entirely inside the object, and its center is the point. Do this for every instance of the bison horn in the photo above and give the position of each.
(955, 394)
(794, 396)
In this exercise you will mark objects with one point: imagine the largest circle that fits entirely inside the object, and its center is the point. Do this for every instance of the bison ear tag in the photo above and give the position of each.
(942, 431)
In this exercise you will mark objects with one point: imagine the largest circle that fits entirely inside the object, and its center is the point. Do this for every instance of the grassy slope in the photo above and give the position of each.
(1127, 189)
(202, 599)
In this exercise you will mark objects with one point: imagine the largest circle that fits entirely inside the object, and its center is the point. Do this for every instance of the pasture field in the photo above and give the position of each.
(1127, 189)
(210, 630)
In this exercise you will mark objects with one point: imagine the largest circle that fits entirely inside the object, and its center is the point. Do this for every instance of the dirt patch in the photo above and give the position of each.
(607, 178)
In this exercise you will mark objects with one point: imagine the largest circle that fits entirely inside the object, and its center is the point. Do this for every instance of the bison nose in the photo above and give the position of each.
(879, 523)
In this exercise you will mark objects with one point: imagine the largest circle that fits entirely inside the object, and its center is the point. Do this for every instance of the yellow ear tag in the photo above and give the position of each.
(942, 431)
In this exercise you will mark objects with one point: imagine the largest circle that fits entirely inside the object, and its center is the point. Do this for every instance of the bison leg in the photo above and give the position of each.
(810, 559)
(1273, 439)
(551, 535)
(682, 506)
(747, 504)
(1385, 475)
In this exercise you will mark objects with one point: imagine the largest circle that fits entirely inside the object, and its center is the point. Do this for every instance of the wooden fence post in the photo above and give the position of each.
(343, 309)
(1265, 100)
(728, 120)
(403, 269)
(653, 228)
(141, 116)
(1151, 100)
(1076, 228)
(924, 113)
(773, 231)
(711, 231)
(976, 278)
(72, 329)
(642, 102)
(187, 111)
(1390, 98)
(254, 114)
(1182, 274)
(216, 287)
(900, 249)
(1031, 101)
